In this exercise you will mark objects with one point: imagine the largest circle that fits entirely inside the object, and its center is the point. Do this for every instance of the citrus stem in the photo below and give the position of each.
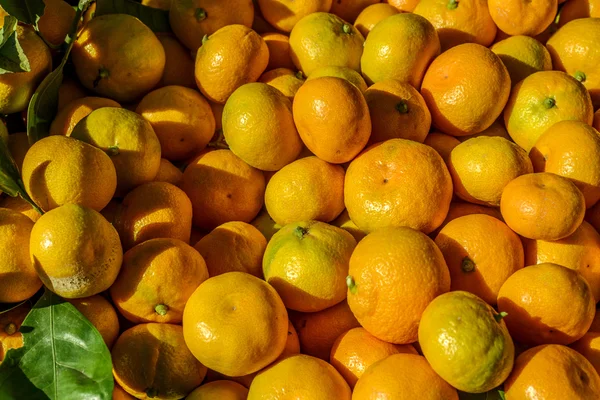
(151, 392)
(112, 151)
(352, 286)
(549, 103)
(498, 317)
(161, 309)
(200, 14)
(10, 328)
(452, 5)
(467, 265)
(102, 74)
(301, 231)
(402, 107)
(204, 39)
(300, 75)
(347, 28)
(580, 76)
(218, 141)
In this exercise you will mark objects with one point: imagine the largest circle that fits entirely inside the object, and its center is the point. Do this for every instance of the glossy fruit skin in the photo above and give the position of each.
(442, 143)
(552, 370)
(279, 50)
(522, 56)
(415, 274)
(518, 17)
(101, 314)
(56, 21)
(223, 390)
(235, 324)
(283, 79)
(478, 352)
(285, 14)
(578, 9)
(372, 15)
(75, 111)
(341, 72)
(403, 377)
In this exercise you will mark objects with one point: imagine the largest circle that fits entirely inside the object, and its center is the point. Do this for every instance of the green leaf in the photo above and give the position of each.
(63, 357)
(26, 11)
(156, 19)
(12, 56)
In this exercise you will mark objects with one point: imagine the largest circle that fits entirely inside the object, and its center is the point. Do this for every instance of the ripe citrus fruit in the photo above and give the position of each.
(21, 206)
(10, 323)
(372, 15)
(69, 90)
(578, 9)
(344, 222)
(400, 47)
(230, 57)
(403, 377)
(56, 21)
(219, 390)
(588, 346)
(307, 189)
(285, 80)
(101, 314)
(482, 80)
(75, 251)
(466, 342)
(179, 65)
(265, 224)
(406, 6)
(162, 4)
(397, 111)
(542, 206)
(332, 118)
(75, 111)
(442, 143)
(285, 14)
(259, 127)
(279, 50)
(341, 72)
(235, 324)
(522, 56)
(120, 394)
(152, 361)
(522, 17)
(349, 10)
(169, 173)
(18, 145)
(415, 273)
(398, 183)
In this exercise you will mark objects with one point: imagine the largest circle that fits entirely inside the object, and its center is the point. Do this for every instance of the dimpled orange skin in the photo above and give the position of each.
(219, 390)
(10, 323)
(56, 21)
(372, 15)
(580, 251)
(356, 350)
(459, 22)
(579, 9)
(552, 372)
(284, 14)
(169, 173)
(522, 56)
(398, 183)
(223, 188)
(542, 206)
(192, 19)
(406, 6)
(283, 79)
(405, 267)
(20, 205)
(466, 89)
(235, 324)
(153, 358)
(332, 118)
(279, 50)
(403, 377)
(179, 65)
(300, 377)
(442, 143)
(154, 210)
(571, 149)
(101, 314)
(481, 253)
(233, 246)
(400, 47)
(349, 10)
(75, 111)
(521, 17)
(232, 56)
(589, 346)
(397, 111)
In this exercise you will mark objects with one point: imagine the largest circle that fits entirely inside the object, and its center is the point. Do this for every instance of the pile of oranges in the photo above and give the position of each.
(319, 199)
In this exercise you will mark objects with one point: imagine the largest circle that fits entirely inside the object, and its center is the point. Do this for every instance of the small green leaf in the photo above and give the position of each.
(155, 18)
(63, 357)
(27, 11)
(12, 56)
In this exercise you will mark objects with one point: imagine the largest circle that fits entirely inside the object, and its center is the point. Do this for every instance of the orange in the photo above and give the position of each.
(344, 222)
(223, 188)
(580, 251)
(397, 111)
(18, 145)
(575, 50)
(230, 57)
(307, 263)
(459, 209)
(285, 80)
(398, 183)
(403, 377)
(542, 206)
(265, 224)
(101, 314)
(588, 347)
(571, 149)
(349, 10)
(217, 110)
(128, 139)
(442, 143)
(332, 118)
(459, 22)
(576, 9)
(406, 6)
(307, 189)
(181, 118)
(118, 392)
(495, 129)
(75, 111)
(522, 17)
(235, 324)
(162, 4)
(595, 327)
(10, 323)
(157, 278)
(219, 390)
(372, 15)
(522, 56)
(552, 371)
(547, 303)
(300, 377)
(154, 210)
(318, 331)
(75, 251)
(69, 90)
(169, 173)
(400, 47)
(285, 14)
(404, 266)
(21, 206)
(322, 39)
(341, 72)
(541, 100)
(113, 48)
(356, 350)
(466, 89)
(58, 170)
(279, 50)
(260, 24)
(152, 361)
(481, 253)
(481, 167)
(259, 127)
(233, 246)
(192, 19)
(56, 21)
(179, 65)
